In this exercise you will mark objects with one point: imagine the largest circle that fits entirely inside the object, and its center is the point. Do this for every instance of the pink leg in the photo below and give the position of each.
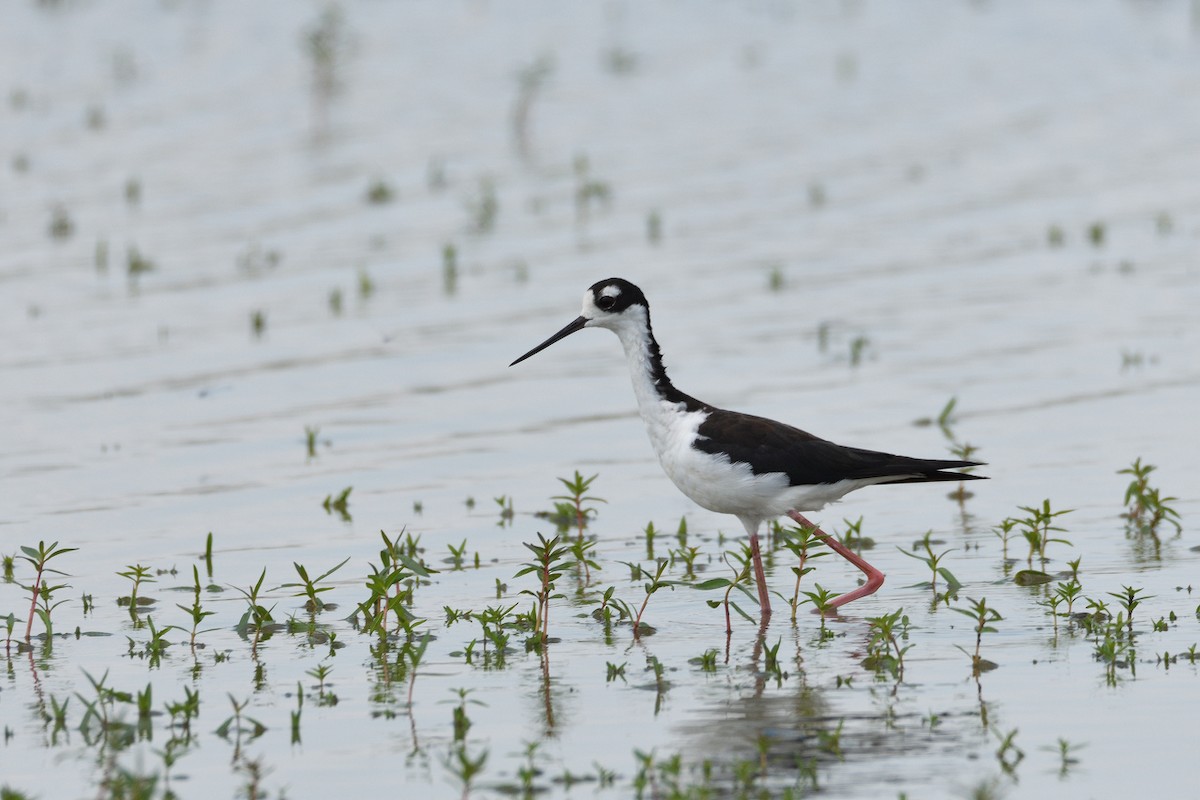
(874, 576)
(760, 576)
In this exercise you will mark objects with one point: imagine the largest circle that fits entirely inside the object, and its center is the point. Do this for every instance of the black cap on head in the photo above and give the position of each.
(614, 295)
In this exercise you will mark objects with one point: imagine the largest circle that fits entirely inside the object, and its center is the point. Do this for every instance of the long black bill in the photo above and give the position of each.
(575, 325)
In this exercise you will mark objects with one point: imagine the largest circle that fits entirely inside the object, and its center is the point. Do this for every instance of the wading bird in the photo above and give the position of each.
(754, 468)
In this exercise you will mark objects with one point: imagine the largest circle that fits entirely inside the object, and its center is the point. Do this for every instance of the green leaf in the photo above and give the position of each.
(952, 583)
(738, 609)
(712, 583)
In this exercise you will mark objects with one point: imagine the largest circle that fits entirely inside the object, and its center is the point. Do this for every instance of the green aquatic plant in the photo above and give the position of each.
(366, 286)
(1146, 508)
(182, 713)
(505, 502)
(1068, 592)
(136, 264)
(390, 584)
(457, 554)
(581, 550)
(308, 586)
(449, 268)
(739, 563)
(155, 646)
(61, 224)
(933, 561)
(773, 666)
(831, 740)
(945, 418)
(657, 582)
(380, 192)
(854, 538)
(40, 590)
(1008, 754)
(649, 533)
(589, 191)
(775, 280)
(1130, 599)
(884, 650)
(137, 575)
(339, 504)
(983, 616)
(239, 724)
(822, 600)
(326, 43)
(320, 674)
(858, 349)
(577, 496)
(707, 661)
(464, 766)
(1003, 531)
(208, 554)
(100, 723)
(688, 556)
(531, 79)
(654, 227)
(1038, 529)
(483, 207)
(257, 617)
(801, 541)
(1065, 751)
(549, 555)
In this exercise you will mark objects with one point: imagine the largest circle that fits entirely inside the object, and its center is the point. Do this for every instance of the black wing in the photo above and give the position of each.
(770, 446)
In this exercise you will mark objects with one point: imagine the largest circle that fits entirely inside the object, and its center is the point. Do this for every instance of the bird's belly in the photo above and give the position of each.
(718, 485)
(715, 483)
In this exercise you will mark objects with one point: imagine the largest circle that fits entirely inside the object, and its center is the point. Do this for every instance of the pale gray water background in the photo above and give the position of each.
(946, 139)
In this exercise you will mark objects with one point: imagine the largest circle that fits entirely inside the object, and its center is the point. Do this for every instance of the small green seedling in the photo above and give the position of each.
(822, 600)
(1130, 600)
(1146, 508)
(653, 586)
(339, 504)
(547, 564)
(196, 611)
(39, 557)
(740, 565)
(933, 561)
(308, 586)
(1037, 529)
(983, 615)
(884, 651)
(801, 541)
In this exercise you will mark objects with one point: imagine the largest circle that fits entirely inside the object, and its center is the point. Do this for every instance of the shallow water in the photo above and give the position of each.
(898, 171)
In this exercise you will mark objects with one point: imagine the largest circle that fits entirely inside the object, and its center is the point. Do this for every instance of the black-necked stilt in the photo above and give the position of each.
(754, 468)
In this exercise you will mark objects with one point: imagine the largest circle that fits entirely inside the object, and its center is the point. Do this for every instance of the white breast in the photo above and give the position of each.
(715, 483)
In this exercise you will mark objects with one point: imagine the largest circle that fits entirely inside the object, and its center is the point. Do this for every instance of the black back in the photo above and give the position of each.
(770, 446)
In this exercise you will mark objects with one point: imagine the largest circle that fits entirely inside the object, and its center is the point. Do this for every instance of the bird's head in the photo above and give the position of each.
(612, 303)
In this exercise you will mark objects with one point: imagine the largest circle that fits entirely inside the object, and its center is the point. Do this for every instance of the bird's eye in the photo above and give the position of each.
(605, 302)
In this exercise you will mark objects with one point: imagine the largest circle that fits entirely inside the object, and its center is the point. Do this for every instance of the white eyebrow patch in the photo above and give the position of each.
(610, 291)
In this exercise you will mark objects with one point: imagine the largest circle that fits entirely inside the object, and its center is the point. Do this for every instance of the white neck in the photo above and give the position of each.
(635, 338)
(652, 388)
